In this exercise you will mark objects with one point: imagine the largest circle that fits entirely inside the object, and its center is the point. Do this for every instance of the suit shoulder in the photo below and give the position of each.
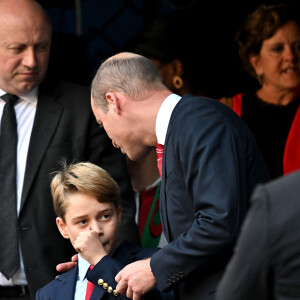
(284, 187)
(56, 284)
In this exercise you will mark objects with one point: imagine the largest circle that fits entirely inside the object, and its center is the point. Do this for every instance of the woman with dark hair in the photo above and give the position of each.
(269, 46)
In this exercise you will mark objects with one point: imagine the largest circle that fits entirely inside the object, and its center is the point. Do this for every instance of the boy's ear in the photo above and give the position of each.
(62, 227)
(119, 212)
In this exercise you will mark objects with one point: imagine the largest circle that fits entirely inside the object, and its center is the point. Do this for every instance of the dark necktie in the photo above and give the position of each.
(89, 287)
(159, 154)
(9, 250)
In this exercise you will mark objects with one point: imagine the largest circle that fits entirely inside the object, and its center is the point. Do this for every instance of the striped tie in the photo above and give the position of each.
(159, 153)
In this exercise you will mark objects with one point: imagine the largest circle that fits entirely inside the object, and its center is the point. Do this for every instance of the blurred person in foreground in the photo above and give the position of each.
(54, 121)
(269, 46)
(266, 261)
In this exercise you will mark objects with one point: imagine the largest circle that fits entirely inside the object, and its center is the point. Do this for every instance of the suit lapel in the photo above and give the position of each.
(47, 116)
(65, 289)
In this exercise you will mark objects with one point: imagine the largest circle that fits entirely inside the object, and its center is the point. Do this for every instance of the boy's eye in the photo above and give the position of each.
(105, 217)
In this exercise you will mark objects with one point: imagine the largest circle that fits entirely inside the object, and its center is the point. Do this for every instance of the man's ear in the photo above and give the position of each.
(113, 102)
(62, 227)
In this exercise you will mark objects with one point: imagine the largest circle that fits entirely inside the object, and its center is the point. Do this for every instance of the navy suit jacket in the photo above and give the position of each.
(63, 287)
(266, 262)
(211, 164)
(64, 127)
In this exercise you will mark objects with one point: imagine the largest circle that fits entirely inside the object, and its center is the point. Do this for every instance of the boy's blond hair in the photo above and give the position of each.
(83, 178)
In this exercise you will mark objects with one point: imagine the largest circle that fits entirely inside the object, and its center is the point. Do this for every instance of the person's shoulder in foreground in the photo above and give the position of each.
(266, 262)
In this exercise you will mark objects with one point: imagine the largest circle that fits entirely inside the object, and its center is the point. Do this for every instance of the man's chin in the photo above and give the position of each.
(24, 89)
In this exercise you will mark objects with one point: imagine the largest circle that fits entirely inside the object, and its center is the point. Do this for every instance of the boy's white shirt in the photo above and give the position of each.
(81, 282)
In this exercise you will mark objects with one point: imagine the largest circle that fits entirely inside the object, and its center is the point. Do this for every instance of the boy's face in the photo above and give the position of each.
(84, 213)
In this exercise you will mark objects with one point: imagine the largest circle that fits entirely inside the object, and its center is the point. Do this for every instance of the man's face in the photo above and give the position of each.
(84, 212)
(125, 132)
(24, 53)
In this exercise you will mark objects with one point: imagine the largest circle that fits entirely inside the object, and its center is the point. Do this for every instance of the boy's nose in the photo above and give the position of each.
(97, 228)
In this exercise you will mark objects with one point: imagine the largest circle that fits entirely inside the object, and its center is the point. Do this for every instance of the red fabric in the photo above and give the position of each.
(146, 199)
(89, 287)
(237, 104)
(159, 153)
(291, 157)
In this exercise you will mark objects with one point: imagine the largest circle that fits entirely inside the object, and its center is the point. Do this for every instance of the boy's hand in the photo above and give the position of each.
(89, 246)
(64, 267)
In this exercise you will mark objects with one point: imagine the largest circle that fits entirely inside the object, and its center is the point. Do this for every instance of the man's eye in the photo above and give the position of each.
(17, 49)
(82, 222)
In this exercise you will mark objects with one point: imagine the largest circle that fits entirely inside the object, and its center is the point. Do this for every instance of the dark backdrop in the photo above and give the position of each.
(88, 31)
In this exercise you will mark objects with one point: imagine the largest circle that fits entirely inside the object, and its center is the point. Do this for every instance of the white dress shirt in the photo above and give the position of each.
(81, 283)
(163, 117)
(25, 109)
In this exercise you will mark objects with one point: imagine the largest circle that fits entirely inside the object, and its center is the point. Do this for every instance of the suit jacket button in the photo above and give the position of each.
(110, 289)
(105, 285)
(100, 281)
(115, 292)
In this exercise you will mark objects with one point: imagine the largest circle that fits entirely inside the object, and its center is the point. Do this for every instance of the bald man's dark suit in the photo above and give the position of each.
(211, 163)
(64, 128)
(266, 262)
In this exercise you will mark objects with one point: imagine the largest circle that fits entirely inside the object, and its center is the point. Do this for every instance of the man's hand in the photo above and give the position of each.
(64, 267)
(135, 279)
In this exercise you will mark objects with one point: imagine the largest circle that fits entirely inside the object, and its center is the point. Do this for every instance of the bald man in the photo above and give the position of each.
(210, 165)
(55, 122)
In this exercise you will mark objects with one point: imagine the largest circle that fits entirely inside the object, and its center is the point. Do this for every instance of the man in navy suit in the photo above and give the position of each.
(266, 262)
(210, 166)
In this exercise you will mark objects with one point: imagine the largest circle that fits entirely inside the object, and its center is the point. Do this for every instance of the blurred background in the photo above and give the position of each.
(88, 31)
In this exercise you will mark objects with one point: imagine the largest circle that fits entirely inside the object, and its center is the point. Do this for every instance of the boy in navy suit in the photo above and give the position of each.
(87, 203)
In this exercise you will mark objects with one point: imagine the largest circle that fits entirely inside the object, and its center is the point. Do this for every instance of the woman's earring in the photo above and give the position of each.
(177, 82)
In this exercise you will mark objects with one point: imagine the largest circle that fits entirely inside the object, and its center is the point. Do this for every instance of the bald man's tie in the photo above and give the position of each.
(9, 249)
(159, 154)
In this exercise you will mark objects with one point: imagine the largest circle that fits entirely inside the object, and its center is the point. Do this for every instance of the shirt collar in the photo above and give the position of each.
(163, 117)
(83, 267)
(31, 96)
